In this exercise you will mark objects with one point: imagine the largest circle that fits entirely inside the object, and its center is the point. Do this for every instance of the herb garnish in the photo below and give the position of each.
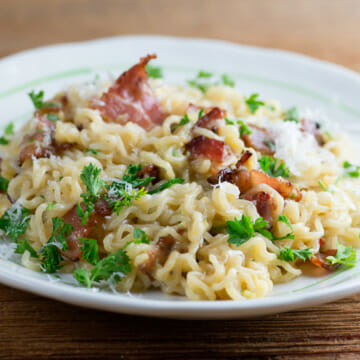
(166, 185)
(93, 151)
(23, 246)
(287, 254)
(112, 267)
(9, 130)
(140, 237)
(206, 79)
(89, 248)
(51, 205)
(345, 255)
(15, 221)
(244, 129)
(52, 117)
(38, 101)
(4, 183)
(182, 122)
(292, 115)
(253, 103)
(154, 71)
(322, 185)
(271, 167)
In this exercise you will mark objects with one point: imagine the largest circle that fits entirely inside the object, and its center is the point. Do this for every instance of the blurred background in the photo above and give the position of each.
(326, 29)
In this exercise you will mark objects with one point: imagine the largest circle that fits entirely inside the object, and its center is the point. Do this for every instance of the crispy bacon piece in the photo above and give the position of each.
(92, 228)
(131, 99)
(284, 187)
(265, 204)
(319, 260)
(313, 128)
(150, 170)
(211, 119)
(259, 139)
(244, 158)
(239, 177)
(212, 149)
(159, 254)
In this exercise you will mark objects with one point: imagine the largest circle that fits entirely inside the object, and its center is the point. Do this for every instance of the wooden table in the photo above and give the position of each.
(35, 328)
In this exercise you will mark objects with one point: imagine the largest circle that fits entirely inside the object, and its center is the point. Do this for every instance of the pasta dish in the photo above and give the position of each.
(196, 189)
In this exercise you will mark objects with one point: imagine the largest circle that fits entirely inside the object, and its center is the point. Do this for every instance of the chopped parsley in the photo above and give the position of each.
(38, 100)
(4, 183)
(206, 79)
(271, 167)
(93, 151)
(345, 255)
(154, 71)
(287, 254)
(15, 221)
(292, 115)
(140, 237)
(226, 80)
(322, 185)
(253, 103)
(51, 205)
(90, 252)
(244, 129)
(61, 231)
(23, 246)
(229, 122)
(166, 185)
(242, 230)
(351, 170)
(182, 122)
(113, 267)
(91, 179)
(52, 117)
(8, 131)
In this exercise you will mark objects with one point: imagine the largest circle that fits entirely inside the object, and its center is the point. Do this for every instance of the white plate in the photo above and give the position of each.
(291, 78)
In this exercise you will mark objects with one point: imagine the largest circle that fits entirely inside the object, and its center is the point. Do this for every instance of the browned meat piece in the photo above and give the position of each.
(265, 204)
(319, 260)
(90, 230)
(150, 170)
(158, 254)
(211, 119)
(212, 149)
(131, 99)
(260, 140)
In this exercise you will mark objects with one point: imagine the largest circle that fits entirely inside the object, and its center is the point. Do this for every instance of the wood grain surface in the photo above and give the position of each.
(36, 328)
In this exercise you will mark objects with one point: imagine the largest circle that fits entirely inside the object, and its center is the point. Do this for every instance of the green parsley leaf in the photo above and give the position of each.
(50, 258)
(166, 185)
(226, 80)
(93, 151)
(91, 179)
(283, 218)
(38, 100)
(271, 167)
(51, 205)
(260, 226)
(4, 183)
(204, 74)
(154, 71)
(82, 276)
(292, 115)
(287, 254)
(253, 104)
(351, 170)
(61, 231)
(244, 129)
(52, 117)
(229, 122)
(23, 246)
(15, 221)
(113, 267)
(140, 237)
(89, 248)
(240, 231)
(182, 122)
(345, 255)
(9, 129)
(4, 141)
(322, 185)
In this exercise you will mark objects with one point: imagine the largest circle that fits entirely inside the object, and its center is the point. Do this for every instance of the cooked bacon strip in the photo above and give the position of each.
(319, 260)
(313, 128)
(244, 158)
(92, 228)
(211, 119)
(132, 99)
(259, 139)
(158, 254)
(265, 204)
(284, 187)
(150, 170)
(212, 149)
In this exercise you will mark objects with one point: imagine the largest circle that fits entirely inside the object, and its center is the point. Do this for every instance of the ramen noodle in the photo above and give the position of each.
(196, 190)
